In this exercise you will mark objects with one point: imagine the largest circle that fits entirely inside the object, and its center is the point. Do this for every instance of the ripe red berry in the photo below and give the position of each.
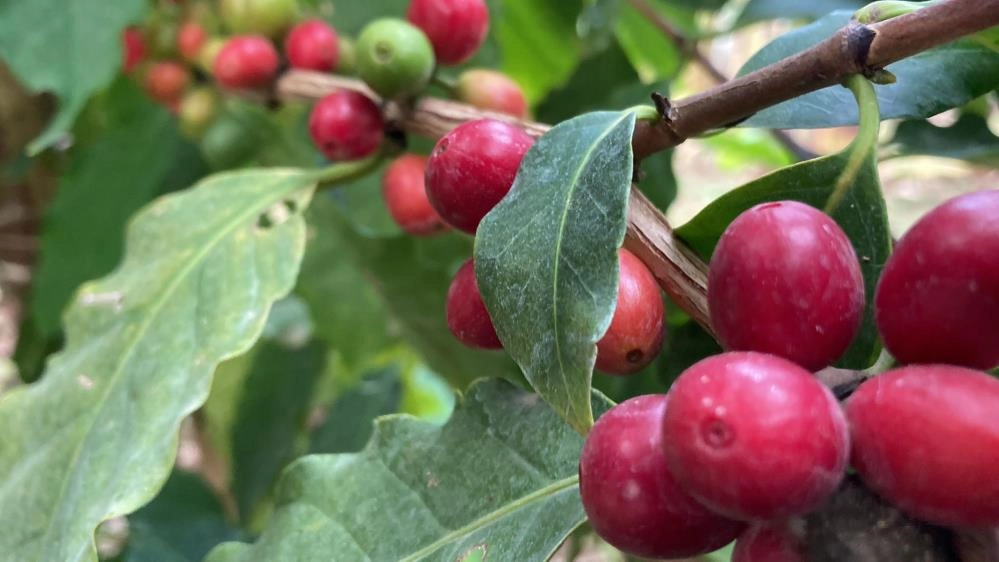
(785, 280)
(635, 335)
(312, 45)
(346, 125)
(492, 90)
(245, 61)
(166, 82)
(926, 438)
(472, 168)
(774, 542)
(456, 28)
(133, 48)
(190, 38)
(406, 197)
(938, 297)
(467, 316)
(754, 436)
(629, 494)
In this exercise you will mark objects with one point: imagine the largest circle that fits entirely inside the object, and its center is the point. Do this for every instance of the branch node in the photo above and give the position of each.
(857, 43)
(666, 110)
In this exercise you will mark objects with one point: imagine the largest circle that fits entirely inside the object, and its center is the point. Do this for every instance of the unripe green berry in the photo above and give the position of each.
(266, 17)
(394, 58)
(197, 111)
(348, 56)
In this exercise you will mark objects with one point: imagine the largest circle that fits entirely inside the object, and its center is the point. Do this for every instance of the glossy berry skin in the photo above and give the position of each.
(265, 17)
(191, 38)
(166, 81)
(493, 91)
(467, 317)
(456, 28)
(406, 197)
(755, 437)
(394, 58)
(312, 45)
(346, 125)
(784, 279)
(245, 61)
(636, 331)
(926, 438)
(133, 48)
(631, 498)
(938, 297)
(472, 168)
(774, 542)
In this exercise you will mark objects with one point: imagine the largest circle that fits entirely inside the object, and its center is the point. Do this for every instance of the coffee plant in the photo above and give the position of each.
(393, 280)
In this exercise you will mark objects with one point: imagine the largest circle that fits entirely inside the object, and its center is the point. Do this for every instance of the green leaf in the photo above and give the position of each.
(349, 421)
(538, 43)
(269, 428)
(757, 10)
(861, 213)
(97, 435)
(103, 185)
(70, 48)
(927, 83)
(181, 524)
(653, 55)
(500, 476)
(546, 256)
(968, 139)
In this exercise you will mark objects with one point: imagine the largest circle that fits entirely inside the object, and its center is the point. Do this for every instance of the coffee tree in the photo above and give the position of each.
(394, 282)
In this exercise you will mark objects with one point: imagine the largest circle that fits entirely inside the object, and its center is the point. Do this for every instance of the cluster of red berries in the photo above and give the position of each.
(746, 441)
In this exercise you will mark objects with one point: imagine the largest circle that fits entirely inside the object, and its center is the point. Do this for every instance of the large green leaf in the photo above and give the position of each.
(538, 43)
(968, 139)
(104, 183)
(71, 48)
(654, 55)
(500, 476)
(96, 436)
(852, 175)
(928, 83)
(546, 256)
(757, 10)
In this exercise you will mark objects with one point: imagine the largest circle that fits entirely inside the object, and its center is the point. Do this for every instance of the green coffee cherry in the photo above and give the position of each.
(266, 17)
(348, 56)
(394, 58)
(197, 111)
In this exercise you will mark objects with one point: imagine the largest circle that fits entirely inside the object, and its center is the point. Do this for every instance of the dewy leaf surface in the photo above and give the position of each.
(71, 48)
(546, 256)
(97, 435)
(500, 476)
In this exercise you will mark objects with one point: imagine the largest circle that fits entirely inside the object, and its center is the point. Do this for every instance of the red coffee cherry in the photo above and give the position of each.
(456, 28)
(629, 494)
(926, 438)
(133, 47)
(166, 82)
(755, 437)
(938, 297)
(346, 125)
(467, 317)
(245, 61)
(636, 331)
(406, 197)
(312, 45)
(774, 542)
(472, 168)
(190, 38)
(492, 90)
(785, 280)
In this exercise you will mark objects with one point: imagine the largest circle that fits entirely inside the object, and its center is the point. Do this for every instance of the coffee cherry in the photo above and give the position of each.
(264, 17)
(246, 61)
(166, 82)
(629, 494)
(406, 197)
(938, 297)
(754, 436)
(926, 438)
(133, 48)
(209, 52)
(312, 45)
(472, 168)
(191, 38)
(394, 58)
(456, 28)
(774, 542)
(635, 335)
(197, 111)
(467, 317)
(785, 280)
(346, 125)
(491, 90)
